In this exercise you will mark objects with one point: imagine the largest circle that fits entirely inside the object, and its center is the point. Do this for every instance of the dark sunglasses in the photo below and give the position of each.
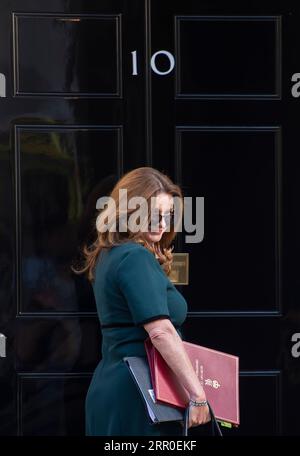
(157, 218)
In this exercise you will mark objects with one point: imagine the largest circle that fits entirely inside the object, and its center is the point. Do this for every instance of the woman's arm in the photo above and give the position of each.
(166, 340)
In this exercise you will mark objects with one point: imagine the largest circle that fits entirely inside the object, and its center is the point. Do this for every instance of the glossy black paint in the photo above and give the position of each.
(223, 124)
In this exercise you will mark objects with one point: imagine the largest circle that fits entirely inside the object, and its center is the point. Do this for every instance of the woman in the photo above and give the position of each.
(135, 299)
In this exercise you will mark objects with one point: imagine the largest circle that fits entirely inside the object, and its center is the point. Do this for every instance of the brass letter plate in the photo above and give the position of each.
(180, 269)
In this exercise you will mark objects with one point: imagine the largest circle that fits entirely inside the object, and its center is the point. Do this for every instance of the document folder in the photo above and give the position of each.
(158, 412)
(217, 371)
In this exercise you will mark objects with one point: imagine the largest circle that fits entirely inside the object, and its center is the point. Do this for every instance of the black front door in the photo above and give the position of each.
(203, 92)
(72, 122)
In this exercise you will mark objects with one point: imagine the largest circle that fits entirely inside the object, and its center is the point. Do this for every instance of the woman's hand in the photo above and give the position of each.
(198, 415)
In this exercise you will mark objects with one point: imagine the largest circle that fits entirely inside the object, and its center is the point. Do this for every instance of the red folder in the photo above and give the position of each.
(218, 373)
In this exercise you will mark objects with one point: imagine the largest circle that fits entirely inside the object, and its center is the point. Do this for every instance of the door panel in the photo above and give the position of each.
(58, 166)
(231, 66)
(82, 58)
(237, 172)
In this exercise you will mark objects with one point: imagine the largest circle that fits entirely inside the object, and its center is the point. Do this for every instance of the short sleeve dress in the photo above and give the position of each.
(130, 289)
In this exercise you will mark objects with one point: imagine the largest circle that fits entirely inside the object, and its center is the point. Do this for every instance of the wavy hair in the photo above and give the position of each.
(143, 182)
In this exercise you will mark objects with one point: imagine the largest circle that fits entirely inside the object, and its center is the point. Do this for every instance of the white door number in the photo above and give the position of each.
(168, 55)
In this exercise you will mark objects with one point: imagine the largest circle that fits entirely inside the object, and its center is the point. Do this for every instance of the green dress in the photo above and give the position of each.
(130, 289)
